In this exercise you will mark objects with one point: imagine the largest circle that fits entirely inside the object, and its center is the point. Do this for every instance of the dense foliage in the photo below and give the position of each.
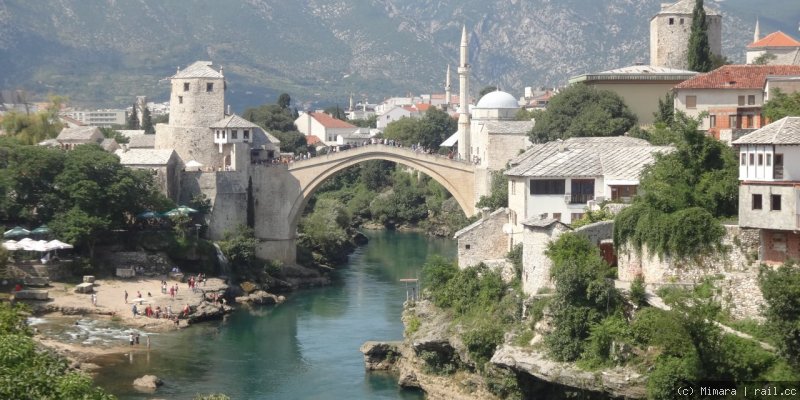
(699, 52)
(498, 194)
(278, 119)
(782, 105)
(429, 131)
(80, 194)
(32, 128)
(584, 294)
(683, 194)
(781, 290)
(582, 110)
(27, 372)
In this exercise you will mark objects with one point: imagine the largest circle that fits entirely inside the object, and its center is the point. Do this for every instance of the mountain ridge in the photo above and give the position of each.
(105, 52)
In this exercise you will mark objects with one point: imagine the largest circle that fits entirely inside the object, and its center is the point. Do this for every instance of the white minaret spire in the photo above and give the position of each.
(447, 89)
(757, 32)
(464, 145)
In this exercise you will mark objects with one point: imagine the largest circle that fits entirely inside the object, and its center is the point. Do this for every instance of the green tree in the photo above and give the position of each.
(699, 54)
(486, 90)
(371, 122)
(498, 195)
(114, 134)
(284, 101)
(336, 112)
(239, 246)
(30, 128)
(79, 228)
(271, 117)
(764, 59)
(429, 131)
(781, 290)
(782, 105)
(666, 109)
(147, 122)
(582, 110)
(133, 119)
(526, 115)
(292, 141)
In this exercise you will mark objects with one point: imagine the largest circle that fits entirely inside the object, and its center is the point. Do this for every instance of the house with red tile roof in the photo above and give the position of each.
(784, 48)
(732, 95)
(395, 114)
(323, 126)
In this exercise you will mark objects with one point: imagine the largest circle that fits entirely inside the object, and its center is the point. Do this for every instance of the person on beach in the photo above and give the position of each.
(131, 338)
(186, 311)
(138, 294)
(137, 338)
(135, 311)
(126, 297)
(94, 299)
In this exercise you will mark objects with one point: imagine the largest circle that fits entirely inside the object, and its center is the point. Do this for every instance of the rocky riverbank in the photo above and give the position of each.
(433, 358)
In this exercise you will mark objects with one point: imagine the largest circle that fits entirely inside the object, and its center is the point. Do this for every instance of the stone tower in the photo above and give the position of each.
(464, 150)
(197, 100)
(670, 30)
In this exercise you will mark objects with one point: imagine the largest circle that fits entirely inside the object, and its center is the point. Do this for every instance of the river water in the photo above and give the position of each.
(305, 348)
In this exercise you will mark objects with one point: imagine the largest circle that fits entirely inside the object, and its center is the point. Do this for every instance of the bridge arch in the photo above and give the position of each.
(456, 177)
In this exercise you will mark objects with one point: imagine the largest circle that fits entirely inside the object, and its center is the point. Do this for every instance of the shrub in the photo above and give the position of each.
(781, 290)
(482, 341)
(638, 292)
(413, 325)
(668, 375)
(597, 351)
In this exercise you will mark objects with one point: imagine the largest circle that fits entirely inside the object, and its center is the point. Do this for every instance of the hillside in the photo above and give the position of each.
(108, 51)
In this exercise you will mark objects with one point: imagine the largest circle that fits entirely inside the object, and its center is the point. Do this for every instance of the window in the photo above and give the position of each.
(513, 187)
(732, 122)
(672, 21)
(681, 21)
(777, 168)
(769, 159)
(180, 99)
(246, 134)
(775, 202)
(582, 191)
(209, 87)
(752, 159)
(751, 100)
(557, 217)
(186, 86)
(744, 159)
(576, 216)
(756, 202)
(467, 247)
(712, 121)
(741, 100)
(760, 159)
(234, 134)
(749, 121)
(547, 186)
(691, 101)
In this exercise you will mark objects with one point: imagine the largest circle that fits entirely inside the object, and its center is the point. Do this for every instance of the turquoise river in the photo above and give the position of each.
(306, 348)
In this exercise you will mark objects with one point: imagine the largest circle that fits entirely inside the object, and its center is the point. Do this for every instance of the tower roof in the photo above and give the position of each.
(684, 7)
(497, 99)
(233, 121)
(198, 69)
(775, 39)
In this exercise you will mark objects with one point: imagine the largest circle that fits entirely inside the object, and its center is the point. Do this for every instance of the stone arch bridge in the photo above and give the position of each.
(279, 202)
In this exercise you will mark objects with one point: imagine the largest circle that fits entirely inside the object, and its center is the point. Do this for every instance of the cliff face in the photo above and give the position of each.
(433, 358)
(106, 52)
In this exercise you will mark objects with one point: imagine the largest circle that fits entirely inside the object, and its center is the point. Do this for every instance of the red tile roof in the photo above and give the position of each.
(312, 140)
(738, 77)
(775, 39)
(330, 122)
(422, 107)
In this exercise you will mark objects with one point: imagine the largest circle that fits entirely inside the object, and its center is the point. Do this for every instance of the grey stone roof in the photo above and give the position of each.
(685, 7)
(783, 131)
(145, 157)
(479, 222)
(142, 142)
(80, 134)
(611, 157)
(509, 127)
(129, 133)
(109, 144)
(233, 121)
(199, 69)
(537, 222)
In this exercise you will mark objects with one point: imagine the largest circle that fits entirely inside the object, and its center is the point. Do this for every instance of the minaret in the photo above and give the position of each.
(757, 32)
(464, 145)
(351, 103)
(447, 89)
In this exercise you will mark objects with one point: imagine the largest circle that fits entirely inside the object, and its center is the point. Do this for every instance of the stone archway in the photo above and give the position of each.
(456, 177)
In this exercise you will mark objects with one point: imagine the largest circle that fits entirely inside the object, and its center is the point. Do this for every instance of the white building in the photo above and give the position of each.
(323, 126)
(769, 198)
(560, 179)
(103, 118)
(395, 114)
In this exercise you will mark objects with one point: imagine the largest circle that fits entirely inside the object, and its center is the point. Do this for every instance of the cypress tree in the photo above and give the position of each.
(133, 120)
(699, 54)
(147, 122)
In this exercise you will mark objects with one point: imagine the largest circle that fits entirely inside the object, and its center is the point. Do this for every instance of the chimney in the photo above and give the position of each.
(562, 147)
(229, 110)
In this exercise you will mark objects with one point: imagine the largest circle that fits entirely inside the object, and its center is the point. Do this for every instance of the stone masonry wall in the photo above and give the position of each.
(736, 266)
(484, 241)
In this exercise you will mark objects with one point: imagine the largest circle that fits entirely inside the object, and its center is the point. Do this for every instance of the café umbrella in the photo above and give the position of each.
(181, 210)
(148, 215)
(17, 231)
(42, 230)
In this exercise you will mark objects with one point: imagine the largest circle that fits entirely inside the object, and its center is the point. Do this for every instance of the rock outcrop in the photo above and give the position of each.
(147, 383)
(380, 356)
(207, 311)
(260, 297)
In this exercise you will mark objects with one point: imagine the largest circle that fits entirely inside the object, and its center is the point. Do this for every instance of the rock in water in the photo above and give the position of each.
(147, 383)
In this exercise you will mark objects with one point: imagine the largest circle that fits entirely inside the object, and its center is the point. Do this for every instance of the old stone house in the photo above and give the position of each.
(68, 138)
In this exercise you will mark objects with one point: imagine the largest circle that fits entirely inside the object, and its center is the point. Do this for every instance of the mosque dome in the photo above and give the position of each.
(497, 99)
